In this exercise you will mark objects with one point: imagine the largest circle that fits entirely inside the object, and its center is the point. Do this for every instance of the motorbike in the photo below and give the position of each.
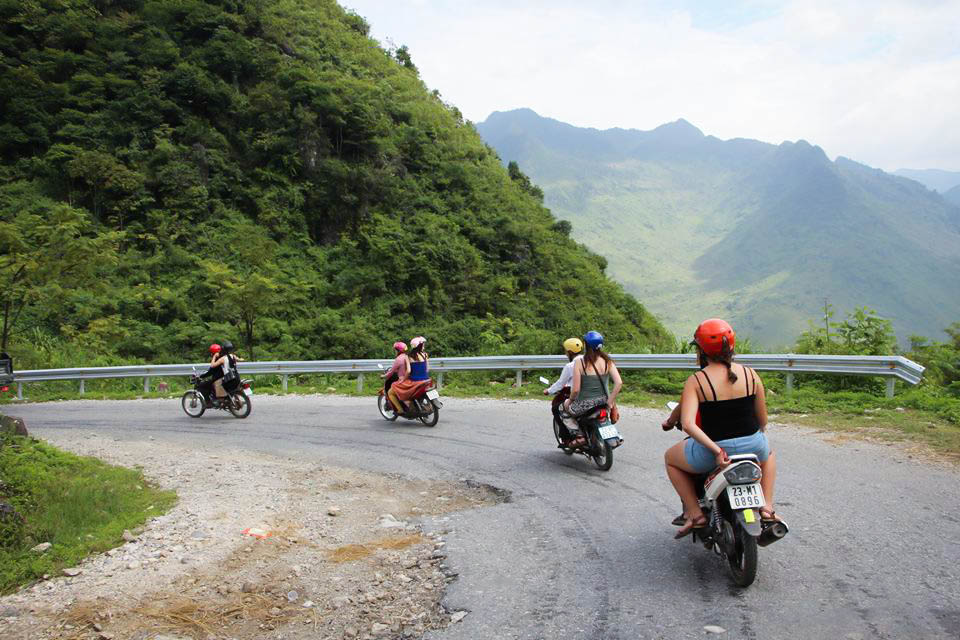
(237, 402)
(731, 498)
(602, 436)
(424, 405)
(6, 372)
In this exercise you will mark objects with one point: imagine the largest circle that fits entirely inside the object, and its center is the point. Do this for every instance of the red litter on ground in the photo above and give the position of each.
(254, 532)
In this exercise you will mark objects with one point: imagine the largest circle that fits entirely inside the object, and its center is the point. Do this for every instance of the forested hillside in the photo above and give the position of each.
(763, 234)
(179, 171)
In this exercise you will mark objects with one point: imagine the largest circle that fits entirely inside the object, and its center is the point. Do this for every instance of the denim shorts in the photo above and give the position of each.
(703, 461)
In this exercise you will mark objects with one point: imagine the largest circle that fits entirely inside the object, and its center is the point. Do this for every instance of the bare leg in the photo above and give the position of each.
(769, 479)
(681, 475)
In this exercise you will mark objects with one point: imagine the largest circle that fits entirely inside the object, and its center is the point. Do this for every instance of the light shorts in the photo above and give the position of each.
(703, 461)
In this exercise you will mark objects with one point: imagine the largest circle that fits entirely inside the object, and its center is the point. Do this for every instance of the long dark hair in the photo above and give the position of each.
(590, 356)
(416, 351)
(725, 358)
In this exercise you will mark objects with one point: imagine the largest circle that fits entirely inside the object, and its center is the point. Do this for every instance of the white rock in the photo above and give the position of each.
(42, 547)
(712, 628)
(333, 511)
(457, 616)
(72, 572)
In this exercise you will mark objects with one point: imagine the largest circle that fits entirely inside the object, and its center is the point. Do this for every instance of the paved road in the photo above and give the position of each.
(580, 553)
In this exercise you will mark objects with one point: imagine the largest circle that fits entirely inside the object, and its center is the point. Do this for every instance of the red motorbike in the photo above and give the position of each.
(424, 405)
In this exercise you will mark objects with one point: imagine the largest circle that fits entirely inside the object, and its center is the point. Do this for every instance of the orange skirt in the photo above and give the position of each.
(406, 389)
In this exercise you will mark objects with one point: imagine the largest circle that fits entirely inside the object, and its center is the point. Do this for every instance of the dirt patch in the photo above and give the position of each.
(328, 552)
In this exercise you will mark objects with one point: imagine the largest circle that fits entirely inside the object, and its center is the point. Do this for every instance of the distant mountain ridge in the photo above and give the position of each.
(761, 233)
(936, 179)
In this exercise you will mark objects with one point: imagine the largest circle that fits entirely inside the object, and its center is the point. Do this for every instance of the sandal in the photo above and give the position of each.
(577, 442)
(690, 525)
(679, 520)
(769, 515)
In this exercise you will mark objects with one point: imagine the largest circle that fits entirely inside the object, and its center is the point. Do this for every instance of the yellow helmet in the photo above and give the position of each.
(574, 345)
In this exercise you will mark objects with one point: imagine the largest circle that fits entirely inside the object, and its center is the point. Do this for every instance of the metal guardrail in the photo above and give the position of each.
(890, 367)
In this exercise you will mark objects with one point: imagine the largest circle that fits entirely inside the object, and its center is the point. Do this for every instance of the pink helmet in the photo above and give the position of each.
(399, 346)
(416, 342)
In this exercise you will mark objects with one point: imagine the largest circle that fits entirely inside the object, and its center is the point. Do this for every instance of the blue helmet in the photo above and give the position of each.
(593, 339)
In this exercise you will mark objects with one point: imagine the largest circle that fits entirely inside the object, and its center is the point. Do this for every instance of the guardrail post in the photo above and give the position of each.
(283, 382)
(81, 386)
(789, 382)
(146, 384)
(890, 382)
(440, 381)
(19, 391)
(359, 383)
(519, 378)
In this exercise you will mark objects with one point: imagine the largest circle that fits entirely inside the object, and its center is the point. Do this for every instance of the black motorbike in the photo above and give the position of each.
(237, 400)
(601, 435)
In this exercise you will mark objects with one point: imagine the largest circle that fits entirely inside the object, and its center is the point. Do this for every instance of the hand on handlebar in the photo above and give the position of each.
(546, 392)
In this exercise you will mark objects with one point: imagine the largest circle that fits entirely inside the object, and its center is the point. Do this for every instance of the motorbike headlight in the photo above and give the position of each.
(743, 473)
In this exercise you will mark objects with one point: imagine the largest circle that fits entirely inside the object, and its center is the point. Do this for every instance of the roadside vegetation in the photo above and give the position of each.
(78, 505)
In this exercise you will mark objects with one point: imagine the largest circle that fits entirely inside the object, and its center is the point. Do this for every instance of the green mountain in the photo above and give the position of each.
(760, 233)
(936, 179)
(178, 171)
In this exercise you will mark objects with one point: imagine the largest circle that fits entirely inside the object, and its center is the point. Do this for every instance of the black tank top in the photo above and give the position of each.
(732, 418)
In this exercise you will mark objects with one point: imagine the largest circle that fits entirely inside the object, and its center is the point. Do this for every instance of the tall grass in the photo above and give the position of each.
(80, 505)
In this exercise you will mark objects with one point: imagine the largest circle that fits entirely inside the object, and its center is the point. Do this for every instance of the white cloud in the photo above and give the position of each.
(878, 82)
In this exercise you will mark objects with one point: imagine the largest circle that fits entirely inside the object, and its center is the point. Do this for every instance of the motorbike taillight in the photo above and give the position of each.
(246, 385)
(4, 389)
(603, 414)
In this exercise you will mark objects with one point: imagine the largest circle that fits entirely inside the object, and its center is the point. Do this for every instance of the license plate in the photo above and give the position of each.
(247, 392)
(609, 431)
(433, 394)
(745, 496)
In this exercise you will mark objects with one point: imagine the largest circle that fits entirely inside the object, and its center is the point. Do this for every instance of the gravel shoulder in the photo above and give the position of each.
(258, 546)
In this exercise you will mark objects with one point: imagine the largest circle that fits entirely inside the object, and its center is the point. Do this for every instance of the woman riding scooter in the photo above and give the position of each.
(733, 414)
(397, 373)
(418, 363)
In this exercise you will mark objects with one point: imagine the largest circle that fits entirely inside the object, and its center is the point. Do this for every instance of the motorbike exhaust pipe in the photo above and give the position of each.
(772, 533)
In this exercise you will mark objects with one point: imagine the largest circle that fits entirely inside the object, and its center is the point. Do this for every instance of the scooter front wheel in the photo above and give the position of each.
(386, 409)
(193, 404)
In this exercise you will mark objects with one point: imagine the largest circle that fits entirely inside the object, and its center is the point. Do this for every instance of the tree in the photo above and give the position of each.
(45, 247)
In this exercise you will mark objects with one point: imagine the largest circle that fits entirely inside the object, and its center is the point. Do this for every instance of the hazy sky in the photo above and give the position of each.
(877, 81)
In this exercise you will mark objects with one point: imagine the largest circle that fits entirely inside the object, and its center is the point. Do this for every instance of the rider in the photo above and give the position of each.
(561, 387)
(212, 375)
(403, 390)
(222, 360)
(397, 373)
(733, 413)
(590, 390)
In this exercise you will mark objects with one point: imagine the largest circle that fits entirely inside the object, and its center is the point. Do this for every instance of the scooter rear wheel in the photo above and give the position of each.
(429, 419)
(743, 561)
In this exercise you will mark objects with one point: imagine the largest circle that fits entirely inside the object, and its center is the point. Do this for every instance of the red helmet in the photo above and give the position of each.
(214, 348)
(399, 346)
(711, 335)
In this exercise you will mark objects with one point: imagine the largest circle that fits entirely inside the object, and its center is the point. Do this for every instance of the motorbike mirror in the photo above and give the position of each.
(544, 381)
(672, 405)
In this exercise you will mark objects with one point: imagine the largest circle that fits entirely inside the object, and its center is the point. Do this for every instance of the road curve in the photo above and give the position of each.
(580, 553)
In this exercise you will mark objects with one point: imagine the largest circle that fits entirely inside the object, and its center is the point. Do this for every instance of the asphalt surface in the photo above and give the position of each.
(576, 552)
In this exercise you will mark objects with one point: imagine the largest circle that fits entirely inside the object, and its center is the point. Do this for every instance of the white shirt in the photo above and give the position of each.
(566, 378)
